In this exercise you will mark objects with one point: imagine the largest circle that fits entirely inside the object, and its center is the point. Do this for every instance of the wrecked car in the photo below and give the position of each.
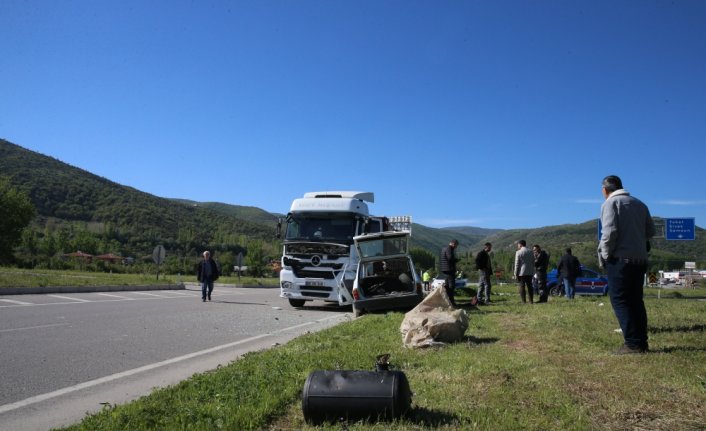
(385, 277)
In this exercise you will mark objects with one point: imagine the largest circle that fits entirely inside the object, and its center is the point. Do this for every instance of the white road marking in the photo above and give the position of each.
(116, 296)
(174, 292)
(70, 298)
(149, 294)
(12, 301)
(33, 327)
(43, 397)
(169, 294)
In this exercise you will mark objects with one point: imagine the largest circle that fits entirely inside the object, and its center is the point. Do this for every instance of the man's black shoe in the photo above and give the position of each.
(628, 350)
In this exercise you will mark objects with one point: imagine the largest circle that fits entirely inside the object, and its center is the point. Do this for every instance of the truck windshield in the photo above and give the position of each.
(322, 227)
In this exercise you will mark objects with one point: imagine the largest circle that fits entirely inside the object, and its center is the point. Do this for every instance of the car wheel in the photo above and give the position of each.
(296, 303)
(555, 290)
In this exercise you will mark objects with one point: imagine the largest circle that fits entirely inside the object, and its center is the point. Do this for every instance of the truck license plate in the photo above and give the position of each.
(313, 283)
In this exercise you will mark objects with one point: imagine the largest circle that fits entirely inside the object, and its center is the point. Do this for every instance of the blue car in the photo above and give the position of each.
(589, 283)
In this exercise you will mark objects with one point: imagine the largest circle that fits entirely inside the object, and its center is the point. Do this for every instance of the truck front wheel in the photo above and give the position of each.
(296, 303)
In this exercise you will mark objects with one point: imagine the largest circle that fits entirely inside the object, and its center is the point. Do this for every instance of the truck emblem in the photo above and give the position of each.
(316, 260)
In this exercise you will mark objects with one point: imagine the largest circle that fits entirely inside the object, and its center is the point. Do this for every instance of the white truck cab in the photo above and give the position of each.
(319, 259)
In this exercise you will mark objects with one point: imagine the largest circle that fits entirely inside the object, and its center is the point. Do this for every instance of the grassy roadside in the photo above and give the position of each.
(12, 277)
(547, 366)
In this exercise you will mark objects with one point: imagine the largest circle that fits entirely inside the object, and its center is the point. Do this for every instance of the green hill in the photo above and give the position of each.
(77, 209)
(433, 239)
(253, 214)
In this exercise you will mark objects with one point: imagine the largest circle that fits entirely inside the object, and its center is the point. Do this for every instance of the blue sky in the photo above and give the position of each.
(497, 114)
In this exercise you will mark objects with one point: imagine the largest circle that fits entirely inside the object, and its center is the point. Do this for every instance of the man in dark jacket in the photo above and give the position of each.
(541, 262)
(569, 269)
(485, 269)
(447, 265)
(207, 273)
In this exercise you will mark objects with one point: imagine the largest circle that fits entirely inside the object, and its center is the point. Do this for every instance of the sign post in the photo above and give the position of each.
(158, 255)
(690, 266)
(240, 264)
(600, 229)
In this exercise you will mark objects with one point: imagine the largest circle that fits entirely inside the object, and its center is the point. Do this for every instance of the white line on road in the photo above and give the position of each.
(73, 300)
(70, 298)
(39, 398)
(12, 301)
(116, 296)
(33, 327)
(149, 294)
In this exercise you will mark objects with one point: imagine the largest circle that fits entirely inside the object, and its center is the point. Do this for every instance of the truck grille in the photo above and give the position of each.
(305, 273)
(309, 289)
(316, 294)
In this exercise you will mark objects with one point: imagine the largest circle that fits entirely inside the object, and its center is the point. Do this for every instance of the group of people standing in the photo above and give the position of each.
(623, 248)
(447, 266)
(530, 271)
(627, 227)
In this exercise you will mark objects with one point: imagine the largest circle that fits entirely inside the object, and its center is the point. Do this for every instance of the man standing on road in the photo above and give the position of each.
(447, 264)
(485, 269)
(524, 270)
(207, 273)
(568, 270)
(627, 227)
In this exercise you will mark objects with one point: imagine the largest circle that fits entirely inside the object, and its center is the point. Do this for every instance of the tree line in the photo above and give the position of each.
(29, 240)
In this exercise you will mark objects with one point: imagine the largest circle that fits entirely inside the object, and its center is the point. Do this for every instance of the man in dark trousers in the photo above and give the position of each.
(627, 229)
(524, 269)
(447, 264)
(485, 269)
(569, 270)
(207, 273)
(541, 262)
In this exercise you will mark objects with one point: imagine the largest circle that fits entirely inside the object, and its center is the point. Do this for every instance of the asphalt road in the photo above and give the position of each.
(63, 355)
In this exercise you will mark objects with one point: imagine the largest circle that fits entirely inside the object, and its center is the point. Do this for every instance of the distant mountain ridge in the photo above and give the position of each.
(249, 213)
(64, 194)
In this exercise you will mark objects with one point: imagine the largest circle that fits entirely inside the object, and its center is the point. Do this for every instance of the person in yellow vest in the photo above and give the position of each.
(426, 279)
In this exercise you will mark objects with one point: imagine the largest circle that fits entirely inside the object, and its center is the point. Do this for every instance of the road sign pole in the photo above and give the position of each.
(158, 255)
(240, 264)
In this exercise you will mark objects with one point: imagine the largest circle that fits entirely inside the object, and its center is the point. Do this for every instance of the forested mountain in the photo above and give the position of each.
(77, 210)
(470, 239)
(253, 214)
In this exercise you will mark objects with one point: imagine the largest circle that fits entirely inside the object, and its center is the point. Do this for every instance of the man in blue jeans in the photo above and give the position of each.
(207, 273)
(622, 250)
(569, 270)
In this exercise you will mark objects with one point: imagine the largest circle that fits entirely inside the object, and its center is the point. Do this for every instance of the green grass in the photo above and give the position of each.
(521, 367)
(12, 277)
